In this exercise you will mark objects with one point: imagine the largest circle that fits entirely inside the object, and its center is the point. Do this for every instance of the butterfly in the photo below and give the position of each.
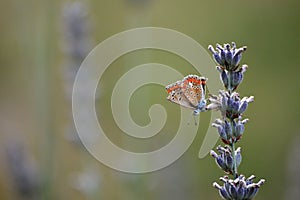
(189, 93)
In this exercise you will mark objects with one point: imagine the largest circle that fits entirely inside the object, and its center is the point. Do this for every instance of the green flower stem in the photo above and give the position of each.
(235, 171)
(229, 82)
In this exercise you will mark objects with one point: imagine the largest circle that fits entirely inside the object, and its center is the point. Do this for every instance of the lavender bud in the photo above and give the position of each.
(222, 191)
(233, 192)
(250, 179)
(242, 107)
(222, 55)
(218, 59)
(221, 130)
(238, 56)
(224, 78)
(212, 50)
(228, 55)
(251, 192)
(215, 55)
(219, 47)
(224, 194)
(239, 130)
(229, 162)
(228, 129)
(243, 69)
(235, 106)
(238, 156)
(224, 101)
(236, 59)
(236, 79)
(241, 192)
(218, 159)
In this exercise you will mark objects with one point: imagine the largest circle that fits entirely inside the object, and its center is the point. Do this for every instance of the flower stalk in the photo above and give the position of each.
(231, 126)
(235, 171)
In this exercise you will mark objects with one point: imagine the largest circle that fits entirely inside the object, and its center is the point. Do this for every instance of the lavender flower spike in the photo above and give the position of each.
(238, 188)
(227, 56)
(231, 126)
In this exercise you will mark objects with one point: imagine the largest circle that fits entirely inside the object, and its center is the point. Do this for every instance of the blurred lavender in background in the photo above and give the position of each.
(76, 45)
(22, 167)
(87, 181)
(76, 40)
(293, 171)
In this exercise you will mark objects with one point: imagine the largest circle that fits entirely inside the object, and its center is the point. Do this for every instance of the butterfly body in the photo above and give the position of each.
(189, 93)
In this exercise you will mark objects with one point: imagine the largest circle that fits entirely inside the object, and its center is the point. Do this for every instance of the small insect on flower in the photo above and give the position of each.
(189, 93)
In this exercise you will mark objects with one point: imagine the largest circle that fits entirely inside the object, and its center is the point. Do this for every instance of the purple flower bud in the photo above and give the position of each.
(222, 55)
(224, 194)
(215, 54)
(224, 101)
(224, 79)
(224, 160)
(228, 55)
(236, 59)
(243, 107)
(235, 106)
(223, 76)
(251, 192)
(212, 50)
(261, 182)
(233, 191)
(224, 179)
(236, 79)
(219, 160)
(221, 149)
(241, 192)
(229, 104)
(221, 130)
(238, 156)
(250, 179)
(243, 69)
(218, 59)
(222, 191)
(238, 56)
(229, 162)
(219, 47)
(239, 130)
(228, 129)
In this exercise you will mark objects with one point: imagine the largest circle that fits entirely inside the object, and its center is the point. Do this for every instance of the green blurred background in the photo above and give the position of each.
(41, 157)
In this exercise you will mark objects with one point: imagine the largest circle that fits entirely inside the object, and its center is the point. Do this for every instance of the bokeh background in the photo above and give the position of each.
(42, 44)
